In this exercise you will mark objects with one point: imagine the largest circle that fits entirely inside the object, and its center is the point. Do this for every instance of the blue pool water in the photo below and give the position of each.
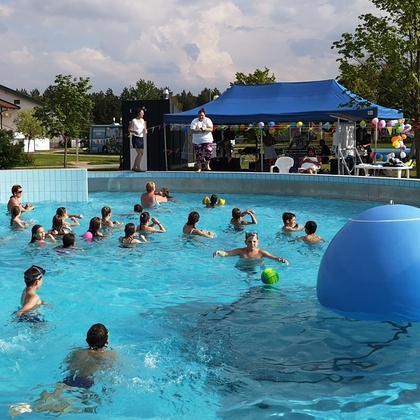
(197, 337)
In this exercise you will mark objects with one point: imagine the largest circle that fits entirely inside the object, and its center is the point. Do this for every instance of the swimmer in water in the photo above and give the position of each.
(30, 300)
(250, 251)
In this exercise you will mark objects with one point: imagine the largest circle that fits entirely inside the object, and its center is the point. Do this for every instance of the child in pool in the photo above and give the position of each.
(237, 216)
(69, 244)
(81, 366)
(130, 239)
(30, 300)
(39, 237)
(95, 225)
(106, 218)
(190, 227)
(290, 225)
(311, 237)
(15, 221)
(251, 250)
(60, 226)
(146, 227)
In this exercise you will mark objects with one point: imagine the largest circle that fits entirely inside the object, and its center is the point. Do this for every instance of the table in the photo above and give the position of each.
(377, 167)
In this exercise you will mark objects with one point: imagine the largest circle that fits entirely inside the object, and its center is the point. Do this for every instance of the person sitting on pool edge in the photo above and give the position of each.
(237, 216)
(251, 251)
(310, 237)
(30, 300)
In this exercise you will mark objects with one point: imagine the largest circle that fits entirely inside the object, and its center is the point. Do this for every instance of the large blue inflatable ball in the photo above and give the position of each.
(371, 268)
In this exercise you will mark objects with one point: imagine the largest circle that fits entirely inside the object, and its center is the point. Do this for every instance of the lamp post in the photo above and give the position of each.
(165, 94)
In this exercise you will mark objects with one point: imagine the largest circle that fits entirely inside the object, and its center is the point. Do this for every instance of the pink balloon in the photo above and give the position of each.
(375, 121)
(88, 236)
(381, 124)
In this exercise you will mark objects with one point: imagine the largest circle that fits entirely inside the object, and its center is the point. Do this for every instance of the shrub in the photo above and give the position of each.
(11, 155)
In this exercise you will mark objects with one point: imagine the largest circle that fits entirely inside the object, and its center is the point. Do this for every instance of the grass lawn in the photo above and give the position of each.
(55, 159)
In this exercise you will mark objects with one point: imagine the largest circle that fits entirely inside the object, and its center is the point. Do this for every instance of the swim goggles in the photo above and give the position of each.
(34, 273)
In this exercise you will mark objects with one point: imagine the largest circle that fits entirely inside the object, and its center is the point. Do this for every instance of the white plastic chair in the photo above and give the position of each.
(283, 164)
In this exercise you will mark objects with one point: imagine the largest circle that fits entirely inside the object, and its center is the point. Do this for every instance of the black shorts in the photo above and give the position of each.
(137, 142)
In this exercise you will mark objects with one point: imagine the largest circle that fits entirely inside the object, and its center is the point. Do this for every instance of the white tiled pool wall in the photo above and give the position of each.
(74, 185)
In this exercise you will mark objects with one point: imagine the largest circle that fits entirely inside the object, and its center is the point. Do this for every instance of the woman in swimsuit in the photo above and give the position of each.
(190, 229)
(146, 227)
(150, 199)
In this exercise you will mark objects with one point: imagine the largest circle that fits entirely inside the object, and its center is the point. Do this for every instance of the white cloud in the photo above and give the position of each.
(179, 43)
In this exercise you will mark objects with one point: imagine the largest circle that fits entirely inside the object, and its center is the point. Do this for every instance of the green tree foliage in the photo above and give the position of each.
(380, 61)
(144, 90)
(207, 95)
(67, 109)
(186, 101)
(11, 155)
(107, 106)
(27, 124)
(259, 77)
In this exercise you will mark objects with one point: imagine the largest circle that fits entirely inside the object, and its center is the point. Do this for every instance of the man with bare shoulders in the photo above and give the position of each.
(251, 251)
(14, 200)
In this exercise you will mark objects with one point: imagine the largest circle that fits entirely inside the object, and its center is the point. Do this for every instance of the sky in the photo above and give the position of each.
(180, 44)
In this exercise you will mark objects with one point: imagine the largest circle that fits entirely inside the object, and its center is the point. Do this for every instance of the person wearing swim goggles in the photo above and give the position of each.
(30, 300)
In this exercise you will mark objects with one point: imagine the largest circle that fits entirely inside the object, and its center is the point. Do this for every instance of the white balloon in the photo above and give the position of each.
(403, 155)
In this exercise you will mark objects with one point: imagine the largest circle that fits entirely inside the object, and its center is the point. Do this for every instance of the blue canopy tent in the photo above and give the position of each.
(315, 101)
(323, 100)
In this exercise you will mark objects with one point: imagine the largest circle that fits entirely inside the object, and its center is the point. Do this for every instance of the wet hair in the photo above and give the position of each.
(31, 275)
(138, 208)
(15, 212)
(129, 229)
(61, 211)
(193, 218)
(105, 211)
(97, 336)
(94, 225)
(57, 222)
(236, 213)
(165, 192)
(69, 240)
(144, 218)
(150, 186)
(310, 226)
(16, 188)
(287, 216)
(34, 231)
(213, 199)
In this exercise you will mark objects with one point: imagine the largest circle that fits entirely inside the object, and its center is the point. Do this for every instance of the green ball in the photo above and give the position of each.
(270, 276)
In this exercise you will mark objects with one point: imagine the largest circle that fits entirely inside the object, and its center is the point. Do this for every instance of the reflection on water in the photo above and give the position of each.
(298, 354)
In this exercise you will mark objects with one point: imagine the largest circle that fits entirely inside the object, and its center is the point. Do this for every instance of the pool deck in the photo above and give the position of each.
(348, 187)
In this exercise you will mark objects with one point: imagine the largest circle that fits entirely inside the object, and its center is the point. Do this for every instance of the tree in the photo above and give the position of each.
(28, 124)
(259, 77)
(207, 95)
(11, 154)
(67, 108)
(143, 90)
(107, 106)
(380, 61)
(186, 100)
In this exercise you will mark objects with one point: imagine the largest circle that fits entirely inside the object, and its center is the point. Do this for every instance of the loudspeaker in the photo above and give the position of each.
(225, 164)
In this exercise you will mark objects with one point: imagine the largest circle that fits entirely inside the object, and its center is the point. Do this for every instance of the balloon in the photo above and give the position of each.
(381, 124)
(236, 128)
(379, 157)
(271, 124)
(396, 144)
(402, 127)
(403, 147)
(390, 123)
(363, 124)
(403, 136)
(397, 129)
(299, 124)
(401, 144)
(373, 155)
(403, 155)
(375, 121)
(261, 124)
(407, 128)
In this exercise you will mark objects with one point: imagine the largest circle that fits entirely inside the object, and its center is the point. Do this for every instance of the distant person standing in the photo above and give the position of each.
(202, 128)
(137, 129)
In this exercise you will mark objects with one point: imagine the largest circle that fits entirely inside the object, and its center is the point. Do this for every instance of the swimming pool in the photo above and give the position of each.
(199, 337)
